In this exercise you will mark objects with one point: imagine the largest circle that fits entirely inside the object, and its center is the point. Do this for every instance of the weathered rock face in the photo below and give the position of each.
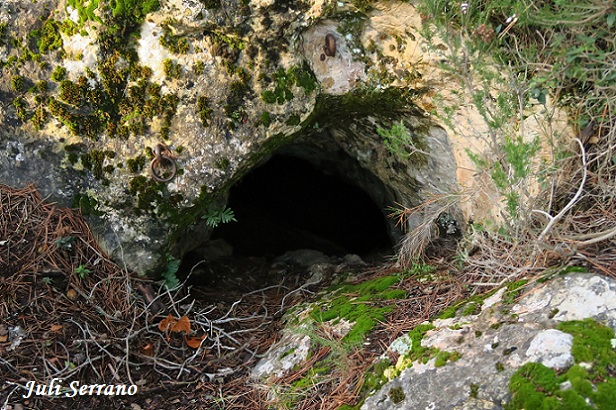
(224, 85)
(496, 342)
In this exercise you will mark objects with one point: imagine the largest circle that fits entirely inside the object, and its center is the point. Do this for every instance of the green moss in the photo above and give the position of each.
(94, 161)
(509, 350)
(513, 291)
(39, 118)
(17, 83)
(135, 165)
(175, 44)
(210, 4)
(151, 197)
(293, 120)
(312, 376)
(374, 377)
(71, 93)
(474, 391)
(418, 351)
(42, 86)
(47, 37)
(111, 105)
(356, 303)
(268, 97)
(172, 69)
(86, 9)
(204, 110)
(70, 28)
(396, 394)
(199, 67)
(418, 269)
(536, 386)
(129, 12)
(285, 80)
(591, 343)
(235, 100)
(59, 73)
(449, 312)
(21, 106)
(443, 357)
(472, 308)
(265, 119)
(222, 164)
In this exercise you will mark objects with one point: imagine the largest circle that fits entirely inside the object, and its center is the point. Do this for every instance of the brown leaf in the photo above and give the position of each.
(167, 323)
(148, 350)
(194, 341)
(4, 338)
(55, 328)
(71, 294)
(182, 325)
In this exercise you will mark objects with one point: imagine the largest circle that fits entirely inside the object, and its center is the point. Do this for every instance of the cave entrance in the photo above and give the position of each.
(288, 203)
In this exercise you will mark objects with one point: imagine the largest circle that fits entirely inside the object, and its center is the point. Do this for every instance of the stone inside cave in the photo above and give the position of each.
(288, 204)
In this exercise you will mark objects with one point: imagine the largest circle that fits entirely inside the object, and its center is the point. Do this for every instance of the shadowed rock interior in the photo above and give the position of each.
(289, 204)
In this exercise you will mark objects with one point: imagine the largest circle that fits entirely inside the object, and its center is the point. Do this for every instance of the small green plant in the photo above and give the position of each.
(418, 269)
(215, 217)
(400, 142)
(511, 170)
(82, 271)
(65, 242)
(169, 275)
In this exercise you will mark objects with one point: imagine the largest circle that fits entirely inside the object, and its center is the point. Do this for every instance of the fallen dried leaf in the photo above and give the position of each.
(167, 323)
(182, 325)
(148, 350)
(71, 294)
(55, 328)
(194, 341)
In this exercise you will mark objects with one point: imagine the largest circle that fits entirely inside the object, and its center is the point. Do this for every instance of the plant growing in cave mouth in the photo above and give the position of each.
(214, 217)
(169, 275)
(399, 141)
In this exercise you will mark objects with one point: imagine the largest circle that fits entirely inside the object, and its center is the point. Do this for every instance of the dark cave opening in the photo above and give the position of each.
(288, 204)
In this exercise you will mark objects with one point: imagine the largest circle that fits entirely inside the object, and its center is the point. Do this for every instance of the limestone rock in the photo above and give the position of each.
(225, 88)
(493, 344)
